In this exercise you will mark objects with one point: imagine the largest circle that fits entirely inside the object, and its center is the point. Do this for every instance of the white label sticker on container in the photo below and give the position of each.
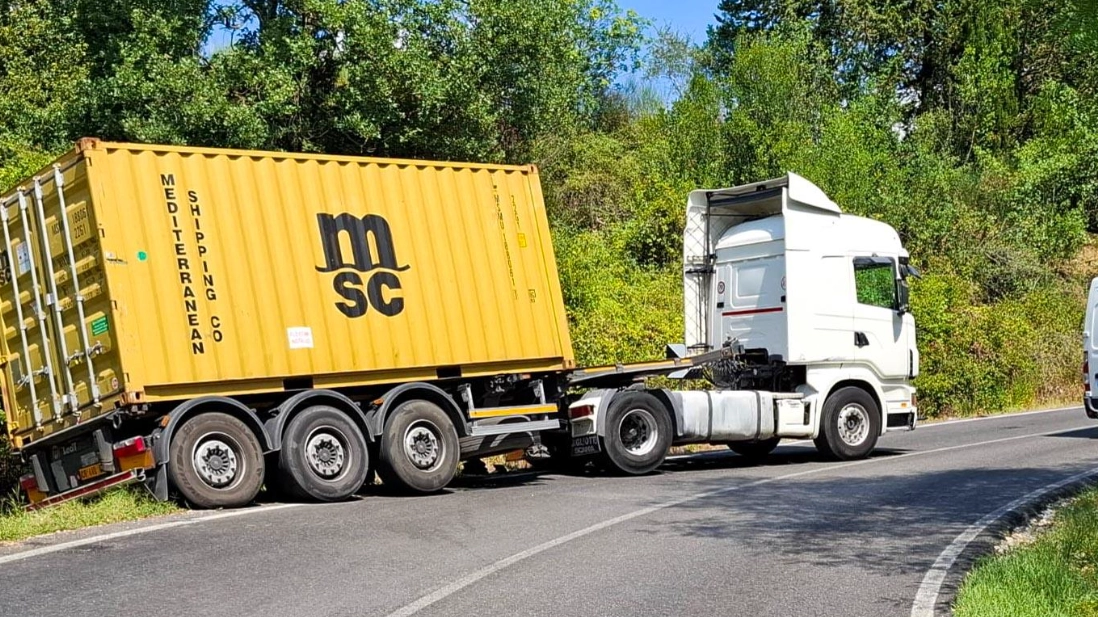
(300, 338)
(22, 257)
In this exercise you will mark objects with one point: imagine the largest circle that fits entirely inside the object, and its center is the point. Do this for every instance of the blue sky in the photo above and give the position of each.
(688, 17)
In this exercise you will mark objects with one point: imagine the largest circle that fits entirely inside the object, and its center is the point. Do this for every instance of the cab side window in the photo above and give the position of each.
(875, 281)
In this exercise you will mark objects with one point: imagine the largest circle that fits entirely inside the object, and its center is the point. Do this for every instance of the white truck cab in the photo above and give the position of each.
(806, 309)
(1090, 352)
(776, 266)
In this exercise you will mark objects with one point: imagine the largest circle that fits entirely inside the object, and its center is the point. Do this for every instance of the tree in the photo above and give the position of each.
(983, 62)
(42, 71)
(865, 38)
(446, 79)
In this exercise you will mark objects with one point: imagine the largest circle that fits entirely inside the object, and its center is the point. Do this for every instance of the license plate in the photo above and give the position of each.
(91, 471)
(585, 446)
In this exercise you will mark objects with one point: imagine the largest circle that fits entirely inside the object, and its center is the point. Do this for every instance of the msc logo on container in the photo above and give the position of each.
(372, 257)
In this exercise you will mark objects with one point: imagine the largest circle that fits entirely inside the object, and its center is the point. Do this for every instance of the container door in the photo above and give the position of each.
(31, 360)
(52, 270)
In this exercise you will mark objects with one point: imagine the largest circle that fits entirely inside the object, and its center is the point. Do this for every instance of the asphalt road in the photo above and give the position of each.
(707, 535)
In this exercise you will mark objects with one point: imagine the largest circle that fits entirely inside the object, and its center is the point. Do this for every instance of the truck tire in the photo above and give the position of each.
(638, 433)
(755, 450)
(215, 461)
(419, 448)
(849, 425)
(323, 456)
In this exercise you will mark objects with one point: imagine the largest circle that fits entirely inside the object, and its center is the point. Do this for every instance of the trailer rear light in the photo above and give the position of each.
(580, 411)
(28, 482)
(129, 447)
(133, 453)
(30, 486)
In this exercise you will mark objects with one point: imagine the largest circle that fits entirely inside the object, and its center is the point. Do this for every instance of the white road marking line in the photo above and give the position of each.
(53, 548)
(1000, 416)
(478, 575)
(927, 596)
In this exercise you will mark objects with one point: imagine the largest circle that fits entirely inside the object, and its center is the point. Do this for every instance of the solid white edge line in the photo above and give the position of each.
(53, 548)
(998, 416)
(926, 598)
(443, 592)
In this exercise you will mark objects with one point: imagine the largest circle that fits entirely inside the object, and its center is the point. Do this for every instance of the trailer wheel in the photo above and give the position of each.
(419, 448)
(638, 433)
(849, 425)
(323, 456)
(755, 450)
(215, 461)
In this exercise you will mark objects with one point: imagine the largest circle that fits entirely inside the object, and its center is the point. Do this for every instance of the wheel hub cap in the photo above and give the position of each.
(216, 462)
(422, 446)
(325, 454)
(638, 432)
(853, 425)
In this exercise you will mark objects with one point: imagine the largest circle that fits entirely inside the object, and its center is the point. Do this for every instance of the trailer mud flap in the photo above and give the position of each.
(586, 445)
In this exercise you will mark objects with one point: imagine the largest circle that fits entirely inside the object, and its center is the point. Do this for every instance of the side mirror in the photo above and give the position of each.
(903, 297)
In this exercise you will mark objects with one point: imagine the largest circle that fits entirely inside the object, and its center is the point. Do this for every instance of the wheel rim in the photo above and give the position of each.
(638, 432)
(217, 460)
(326, 452)
(423, 445)
(853, 425)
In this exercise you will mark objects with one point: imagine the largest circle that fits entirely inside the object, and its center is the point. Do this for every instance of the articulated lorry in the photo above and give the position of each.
(208, 321)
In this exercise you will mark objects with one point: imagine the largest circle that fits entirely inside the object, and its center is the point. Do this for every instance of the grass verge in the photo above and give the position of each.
(1053, 575)
(124, 504)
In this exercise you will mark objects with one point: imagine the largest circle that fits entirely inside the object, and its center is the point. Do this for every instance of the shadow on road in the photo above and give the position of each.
(1086, 433)
(784, 456)
(888, 523)
(502, 480)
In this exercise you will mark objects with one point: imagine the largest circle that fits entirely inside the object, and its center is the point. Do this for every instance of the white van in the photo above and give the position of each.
(1090, 352)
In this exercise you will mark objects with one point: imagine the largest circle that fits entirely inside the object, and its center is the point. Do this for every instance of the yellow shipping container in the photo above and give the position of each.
(194, 272)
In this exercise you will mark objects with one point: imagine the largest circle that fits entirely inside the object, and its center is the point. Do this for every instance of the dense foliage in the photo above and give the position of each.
(970, 126)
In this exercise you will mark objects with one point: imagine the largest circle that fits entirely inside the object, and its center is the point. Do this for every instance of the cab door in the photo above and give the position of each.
(880, 335)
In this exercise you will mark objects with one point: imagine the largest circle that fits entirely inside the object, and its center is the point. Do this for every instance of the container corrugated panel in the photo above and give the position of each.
(219, 272)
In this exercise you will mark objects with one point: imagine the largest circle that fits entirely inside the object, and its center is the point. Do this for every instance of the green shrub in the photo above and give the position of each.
(998, 356)
(618, 311)
(10, 466)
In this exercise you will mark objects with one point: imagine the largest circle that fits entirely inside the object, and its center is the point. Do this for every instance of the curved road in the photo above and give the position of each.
(707, 535)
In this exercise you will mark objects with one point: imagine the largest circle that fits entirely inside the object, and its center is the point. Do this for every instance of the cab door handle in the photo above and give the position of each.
(860, 339)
